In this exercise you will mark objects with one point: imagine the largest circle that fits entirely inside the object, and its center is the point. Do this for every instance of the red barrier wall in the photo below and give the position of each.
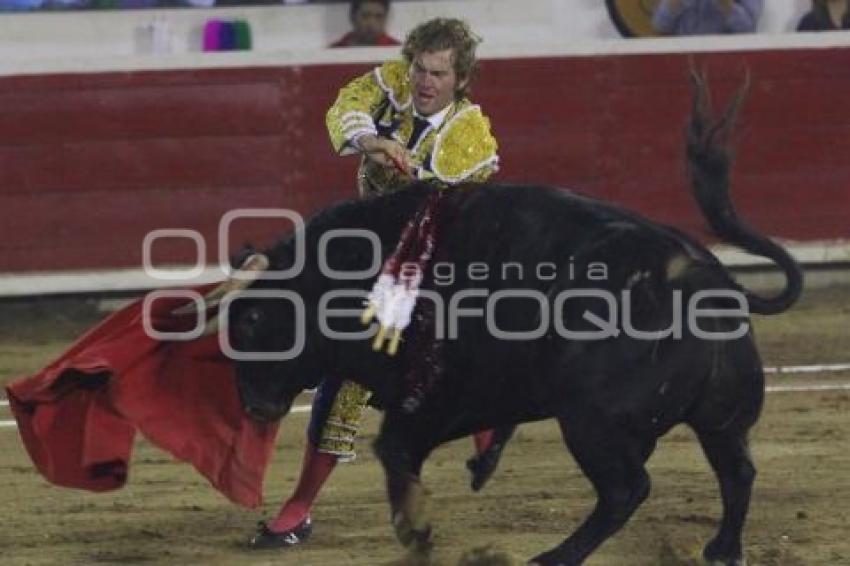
(90, 163)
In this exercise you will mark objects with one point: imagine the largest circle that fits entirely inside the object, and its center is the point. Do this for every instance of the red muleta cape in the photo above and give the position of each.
(78, 416)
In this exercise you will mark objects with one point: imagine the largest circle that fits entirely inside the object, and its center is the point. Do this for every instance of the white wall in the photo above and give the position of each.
(93, 35)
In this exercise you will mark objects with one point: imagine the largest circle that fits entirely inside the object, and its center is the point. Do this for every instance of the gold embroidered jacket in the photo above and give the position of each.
(380, 103)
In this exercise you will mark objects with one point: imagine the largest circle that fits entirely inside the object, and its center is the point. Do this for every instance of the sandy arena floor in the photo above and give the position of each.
(167, 514)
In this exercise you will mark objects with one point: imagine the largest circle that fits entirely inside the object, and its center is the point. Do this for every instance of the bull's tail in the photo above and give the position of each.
(709, 160)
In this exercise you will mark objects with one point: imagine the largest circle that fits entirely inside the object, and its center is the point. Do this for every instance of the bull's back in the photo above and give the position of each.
(584, 245)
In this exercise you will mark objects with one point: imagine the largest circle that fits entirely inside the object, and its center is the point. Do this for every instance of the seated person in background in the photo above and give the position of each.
(701, 17)
(368, 25)
(826, 15)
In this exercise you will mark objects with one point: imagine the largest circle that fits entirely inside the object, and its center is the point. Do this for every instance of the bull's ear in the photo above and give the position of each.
(240, 256)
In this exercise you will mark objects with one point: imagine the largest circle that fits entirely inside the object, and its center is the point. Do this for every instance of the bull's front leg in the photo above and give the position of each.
(402, 454)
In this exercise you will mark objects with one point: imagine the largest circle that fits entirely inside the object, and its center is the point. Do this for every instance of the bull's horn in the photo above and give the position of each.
(211, 327)
(254, 264)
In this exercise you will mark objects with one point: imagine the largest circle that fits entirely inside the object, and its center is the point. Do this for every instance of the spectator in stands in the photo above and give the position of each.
(368, 25)
(701, 17)
(826, 15)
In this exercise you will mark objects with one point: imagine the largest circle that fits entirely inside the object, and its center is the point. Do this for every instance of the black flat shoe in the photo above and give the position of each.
(266, 538)
(483, 465)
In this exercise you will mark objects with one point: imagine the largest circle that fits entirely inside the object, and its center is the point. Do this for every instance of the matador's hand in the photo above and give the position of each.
(388, 153)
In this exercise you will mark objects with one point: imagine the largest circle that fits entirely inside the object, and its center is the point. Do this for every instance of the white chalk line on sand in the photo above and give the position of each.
(769, 389)
(822, 368)
(13, 424)
(807, 388)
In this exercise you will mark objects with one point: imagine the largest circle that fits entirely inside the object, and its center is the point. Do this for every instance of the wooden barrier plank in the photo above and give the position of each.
(89, 163)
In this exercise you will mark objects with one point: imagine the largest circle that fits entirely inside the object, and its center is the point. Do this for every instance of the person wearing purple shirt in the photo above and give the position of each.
(700, 17)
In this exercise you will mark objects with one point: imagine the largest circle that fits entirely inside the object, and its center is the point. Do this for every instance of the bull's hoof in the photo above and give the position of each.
(416, 538)
(266, 538)
(410, 520)
(718, 554)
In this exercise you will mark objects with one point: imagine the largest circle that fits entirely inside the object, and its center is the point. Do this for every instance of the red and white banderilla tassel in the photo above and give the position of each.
(393, 297)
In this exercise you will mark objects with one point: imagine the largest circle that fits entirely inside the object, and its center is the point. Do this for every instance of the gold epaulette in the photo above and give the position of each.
(394, 79)
(465, 149)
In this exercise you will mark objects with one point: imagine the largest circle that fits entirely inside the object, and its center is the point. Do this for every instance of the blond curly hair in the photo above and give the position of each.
(446, 33)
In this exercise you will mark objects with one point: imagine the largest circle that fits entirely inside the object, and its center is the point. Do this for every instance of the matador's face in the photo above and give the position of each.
(434, 81)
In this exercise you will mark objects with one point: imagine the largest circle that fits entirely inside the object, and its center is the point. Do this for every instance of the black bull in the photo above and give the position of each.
(612, 397)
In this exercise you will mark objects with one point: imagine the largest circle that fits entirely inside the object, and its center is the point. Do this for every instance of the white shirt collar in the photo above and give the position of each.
(436, 119)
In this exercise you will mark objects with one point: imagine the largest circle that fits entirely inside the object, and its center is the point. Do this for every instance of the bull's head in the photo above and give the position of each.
(261, 328)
